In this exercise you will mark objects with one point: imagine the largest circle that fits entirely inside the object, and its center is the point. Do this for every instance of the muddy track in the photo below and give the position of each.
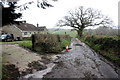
(81, 62)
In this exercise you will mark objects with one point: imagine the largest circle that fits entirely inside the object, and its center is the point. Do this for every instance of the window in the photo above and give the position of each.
(25, 33)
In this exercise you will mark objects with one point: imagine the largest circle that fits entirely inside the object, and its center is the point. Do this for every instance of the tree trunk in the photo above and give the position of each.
(79, 33)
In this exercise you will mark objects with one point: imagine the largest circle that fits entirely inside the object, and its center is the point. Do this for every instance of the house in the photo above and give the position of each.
(42, 29)
(23, 30)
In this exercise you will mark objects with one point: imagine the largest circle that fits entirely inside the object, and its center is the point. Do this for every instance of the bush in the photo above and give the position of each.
(109, 47)
(50, 42)
(104, 42)
(97, 47)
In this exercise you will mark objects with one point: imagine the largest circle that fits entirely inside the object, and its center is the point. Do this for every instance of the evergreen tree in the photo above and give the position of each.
(9, 15)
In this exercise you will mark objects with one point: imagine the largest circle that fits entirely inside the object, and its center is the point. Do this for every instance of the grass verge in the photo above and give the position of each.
(26, 43)
(64, 42)
(101, 45)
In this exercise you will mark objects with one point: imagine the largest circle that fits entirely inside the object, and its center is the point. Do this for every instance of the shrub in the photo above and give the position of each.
(97, 47)
(49, 42)
(107, 46)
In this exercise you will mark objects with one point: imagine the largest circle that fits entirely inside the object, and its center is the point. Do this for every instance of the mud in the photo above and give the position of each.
(23, 61)
(81, 62)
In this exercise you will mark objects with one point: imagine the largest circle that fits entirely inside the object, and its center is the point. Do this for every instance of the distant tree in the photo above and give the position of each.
(81, 18)
(103, 30)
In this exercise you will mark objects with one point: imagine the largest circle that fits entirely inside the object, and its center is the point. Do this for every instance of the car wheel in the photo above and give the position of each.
(12, 40)
(4, 40)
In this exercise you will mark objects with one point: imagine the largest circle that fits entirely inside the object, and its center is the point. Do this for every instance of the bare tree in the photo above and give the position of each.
(81, 18)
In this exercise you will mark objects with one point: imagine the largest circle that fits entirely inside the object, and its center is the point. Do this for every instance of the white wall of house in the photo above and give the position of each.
(28, 33)
(43, 32)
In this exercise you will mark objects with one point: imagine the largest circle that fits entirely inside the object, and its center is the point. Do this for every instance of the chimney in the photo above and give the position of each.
(37, 25)
(24, 21)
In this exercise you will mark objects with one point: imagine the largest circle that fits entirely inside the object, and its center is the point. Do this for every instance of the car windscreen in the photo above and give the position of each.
(2, 36)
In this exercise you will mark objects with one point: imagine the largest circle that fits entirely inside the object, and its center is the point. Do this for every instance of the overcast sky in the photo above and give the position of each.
(49, 17)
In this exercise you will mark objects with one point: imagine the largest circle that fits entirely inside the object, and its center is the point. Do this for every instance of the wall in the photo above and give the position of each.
(12, 29)
(29, 33)
(43, 32)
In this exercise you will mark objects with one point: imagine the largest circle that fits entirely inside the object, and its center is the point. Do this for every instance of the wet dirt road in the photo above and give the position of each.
(81, 62)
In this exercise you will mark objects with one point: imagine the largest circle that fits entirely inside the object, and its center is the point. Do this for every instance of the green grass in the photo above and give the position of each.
(112, 57)
(67, 31)
(26, 43)
(97, 47)
(109, 53)
(61, 45)
(64, 42)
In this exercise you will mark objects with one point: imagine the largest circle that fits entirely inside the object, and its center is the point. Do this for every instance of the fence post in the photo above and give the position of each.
(33, 41)
(58, 37)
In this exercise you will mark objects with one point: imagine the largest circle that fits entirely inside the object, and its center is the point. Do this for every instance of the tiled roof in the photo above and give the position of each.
(41, 28)
(27, 27)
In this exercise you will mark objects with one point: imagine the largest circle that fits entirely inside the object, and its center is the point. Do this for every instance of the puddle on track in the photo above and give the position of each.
(39, 74)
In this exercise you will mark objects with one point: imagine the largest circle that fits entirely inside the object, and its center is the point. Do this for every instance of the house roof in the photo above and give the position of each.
(26, 27)
(41, 28)
(29, 27)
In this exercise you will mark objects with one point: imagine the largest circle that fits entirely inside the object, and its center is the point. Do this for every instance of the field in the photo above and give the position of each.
(67, 31)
